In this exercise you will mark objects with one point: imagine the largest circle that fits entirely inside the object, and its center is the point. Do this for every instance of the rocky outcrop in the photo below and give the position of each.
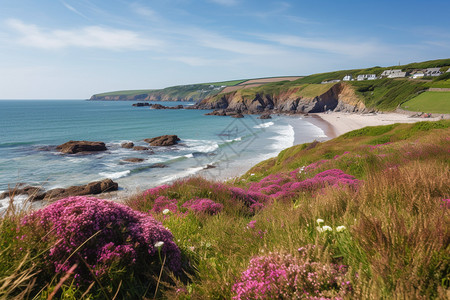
(159, 106)
(265, 116)
(37, 193)
(338, 97)
(73, 147)
(133, 160)
(127, 145)
(93, 188)
(141, 104)
(164, 140)
(140, 148)
(33, 192)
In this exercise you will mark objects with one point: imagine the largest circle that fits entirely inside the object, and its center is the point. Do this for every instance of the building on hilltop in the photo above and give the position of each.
(433, 72)
(366, 77)
(418, 75)
(396, 73)
(347, 78)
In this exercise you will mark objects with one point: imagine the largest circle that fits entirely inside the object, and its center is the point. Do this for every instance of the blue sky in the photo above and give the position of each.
(71, 49)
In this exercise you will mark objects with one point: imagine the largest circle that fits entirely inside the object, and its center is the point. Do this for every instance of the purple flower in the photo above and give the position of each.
(206, 206)
(103, 233)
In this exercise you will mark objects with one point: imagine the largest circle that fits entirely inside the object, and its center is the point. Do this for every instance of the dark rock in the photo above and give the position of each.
(140, 148)
(141, 104)
(265, 116)
(164, 140)
(209, 167)
(33, 193)
(238, 116)
(134, 160)
(217, 113)
(158, 166)
(73, 147)
(127, 145)
(157, 106)
(93, 188)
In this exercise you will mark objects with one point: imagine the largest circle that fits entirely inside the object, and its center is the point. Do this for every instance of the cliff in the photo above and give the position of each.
(301, 98)
(192, 92)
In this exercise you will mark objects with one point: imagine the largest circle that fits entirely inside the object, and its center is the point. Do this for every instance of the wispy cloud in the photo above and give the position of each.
(86, 37)
(348, 48)
(144, 11)
(71, 8)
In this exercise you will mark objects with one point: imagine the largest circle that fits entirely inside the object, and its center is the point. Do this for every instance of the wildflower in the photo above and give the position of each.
(340, 228)
(159, 244)
(327, 228)
(166, 211)
(251, 224)
(319, 221)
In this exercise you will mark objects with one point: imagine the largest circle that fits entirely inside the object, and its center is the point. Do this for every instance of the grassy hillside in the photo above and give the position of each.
(192, 92)
(363, 216)
(429, 102)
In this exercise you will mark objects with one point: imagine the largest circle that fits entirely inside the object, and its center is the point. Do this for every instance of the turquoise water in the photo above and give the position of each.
(29, 130)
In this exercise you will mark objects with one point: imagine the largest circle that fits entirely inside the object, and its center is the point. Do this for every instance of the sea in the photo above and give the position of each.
(211, 146)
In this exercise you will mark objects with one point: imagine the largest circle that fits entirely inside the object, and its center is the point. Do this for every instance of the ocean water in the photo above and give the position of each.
(29, 131)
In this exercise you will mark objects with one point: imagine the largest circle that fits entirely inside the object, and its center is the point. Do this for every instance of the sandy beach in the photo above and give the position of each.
(336, 123)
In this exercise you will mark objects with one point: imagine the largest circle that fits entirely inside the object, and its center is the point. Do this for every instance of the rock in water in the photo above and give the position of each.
(73, 147)
(96, 187)
(265, 116)
(164, 140)
(127, 145)
(134, 159)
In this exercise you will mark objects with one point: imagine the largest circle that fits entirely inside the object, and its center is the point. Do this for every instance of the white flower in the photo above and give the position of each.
(319, 229)
(319, 221)
(327, 228)
(253, 174)
(159, 244)
(166, 211)
(340, 228)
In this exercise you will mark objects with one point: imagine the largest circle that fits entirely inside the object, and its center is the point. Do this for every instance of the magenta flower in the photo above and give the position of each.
(205, 206)
(103, 233)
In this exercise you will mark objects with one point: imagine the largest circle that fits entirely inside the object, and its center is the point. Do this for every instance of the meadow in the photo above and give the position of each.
(362, 216)
(430, 102)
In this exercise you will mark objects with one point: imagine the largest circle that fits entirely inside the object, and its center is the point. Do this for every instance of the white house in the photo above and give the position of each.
(395, 73)
(348, 78)
(418, 75)
(433, 72)
(366, 77)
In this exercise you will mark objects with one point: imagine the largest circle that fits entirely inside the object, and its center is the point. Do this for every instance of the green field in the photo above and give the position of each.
(430, 102)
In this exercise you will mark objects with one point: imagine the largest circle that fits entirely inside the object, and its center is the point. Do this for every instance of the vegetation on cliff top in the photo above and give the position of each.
(363, 216)
(381, 94)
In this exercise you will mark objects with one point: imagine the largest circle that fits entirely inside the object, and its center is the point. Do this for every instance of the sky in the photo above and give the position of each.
(72, 49)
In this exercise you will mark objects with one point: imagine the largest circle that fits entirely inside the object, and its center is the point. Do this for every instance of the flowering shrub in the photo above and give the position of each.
(156, 190)
(206, 206)
(284, 276)
(97, 234)
(162, 203)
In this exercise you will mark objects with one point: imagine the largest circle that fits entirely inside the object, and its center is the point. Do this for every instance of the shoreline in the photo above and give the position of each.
(331, 124)
(335, 124)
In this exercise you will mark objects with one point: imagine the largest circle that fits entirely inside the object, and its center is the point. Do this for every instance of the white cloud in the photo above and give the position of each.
(349, 48)
(71, 8)
(86, 37)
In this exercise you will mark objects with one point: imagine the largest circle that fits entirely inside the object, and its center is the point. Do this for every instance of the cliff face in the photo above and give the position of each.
(339, 97)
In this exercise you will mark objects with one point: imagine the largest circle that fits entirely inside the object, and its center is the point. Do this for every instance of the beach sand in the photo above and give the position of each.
(337, 123)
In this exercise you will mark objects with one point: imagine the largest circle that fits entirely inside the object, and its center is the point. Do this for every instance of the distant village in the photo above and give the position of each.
(394, 73)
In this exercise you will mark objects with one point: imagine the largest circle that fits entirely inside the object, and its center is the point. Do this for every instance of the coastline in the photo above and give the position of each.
(335, 124)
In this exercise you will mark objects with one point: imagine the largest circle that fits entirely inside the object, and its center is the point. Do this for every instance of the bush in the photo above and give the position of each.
(102, 237)
(284, 276)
